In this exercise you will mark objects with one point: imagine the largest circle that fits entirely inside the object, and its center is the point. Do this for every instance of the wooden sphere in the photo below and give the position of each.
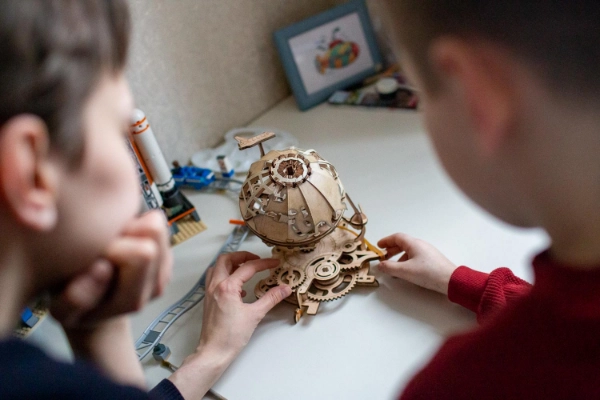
(292, 198)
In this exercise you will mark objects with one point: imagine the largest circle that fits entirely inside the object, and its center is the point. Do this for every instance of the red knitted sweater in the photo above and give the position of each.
(540, 342)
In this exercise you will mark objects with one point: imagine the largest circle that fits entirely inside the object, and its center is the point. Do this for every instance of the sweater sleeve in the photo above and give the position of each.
(485, 294)
(165, 390)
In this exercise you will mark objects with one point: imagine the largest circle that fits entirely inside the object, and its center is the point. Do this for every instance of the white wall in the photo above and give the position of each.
(198, 68)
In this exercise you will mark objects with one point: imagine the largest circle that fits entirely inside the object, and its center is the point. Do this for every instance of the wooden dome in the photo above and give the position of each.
(292, 198)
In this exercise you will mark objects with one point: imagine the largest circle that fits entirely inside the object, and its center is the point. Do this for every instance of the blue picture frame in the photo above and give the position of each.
(349, 53)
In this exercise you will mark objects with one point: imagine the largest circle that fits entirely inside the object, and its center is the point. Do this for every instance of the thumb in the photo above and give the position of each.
(273, 297)
(399, 269)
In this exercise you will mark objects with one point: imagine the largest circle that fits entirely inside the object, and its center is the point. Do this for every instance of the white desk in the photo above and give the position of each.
(369, 343)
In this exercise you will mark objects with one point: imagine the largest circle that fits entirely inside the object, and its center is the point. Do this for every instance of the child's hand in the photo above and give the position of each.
(420, 263)
(228, 322)
(136, 268)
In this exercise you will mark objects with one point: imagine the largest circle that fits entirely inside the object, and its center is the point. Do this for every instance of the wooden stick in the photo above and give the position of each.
(245, 143)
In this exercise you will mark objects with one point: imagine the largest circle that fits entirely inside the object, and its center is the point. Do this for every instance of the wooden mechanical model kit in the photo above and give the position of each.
(294, 201)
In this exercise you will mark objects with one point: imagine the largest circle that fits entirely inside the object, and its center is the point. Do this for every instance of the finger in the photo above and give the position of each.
(133, 285)
(386, 268)
(153, 225)
(399, 269)
(396, 243)
(270, 299)
(137, 256)
(247, 270)
(164, 274)
(227, 263)
(393, 251)
(397, 239)
(87, 290)
(119, 301)
(209, 275)
(83, 293)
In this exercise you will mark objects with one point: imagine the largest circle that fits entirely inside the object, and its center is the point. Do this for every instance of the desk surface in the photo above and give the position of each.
(369, 343)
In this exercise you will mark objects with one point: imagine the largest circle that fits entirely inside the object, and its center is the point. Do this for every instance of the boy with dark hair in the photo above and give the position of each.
(510, 98)
(68, 205)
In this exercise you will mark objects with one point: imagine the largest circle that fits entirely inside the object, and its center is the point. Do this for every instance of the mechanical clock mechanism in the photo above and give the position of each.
(295, 202)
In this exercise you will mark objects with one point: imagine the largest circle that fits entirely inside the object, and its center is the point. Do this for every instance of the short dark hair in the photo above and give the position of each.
(52, 55)
(560, 39)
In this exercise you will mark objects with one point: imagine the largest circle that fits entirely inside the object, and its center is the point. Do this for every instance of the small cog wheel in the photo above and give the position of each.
(261, 288)
(325, 267)
(327, 270)
(291, 276)
(350, 245)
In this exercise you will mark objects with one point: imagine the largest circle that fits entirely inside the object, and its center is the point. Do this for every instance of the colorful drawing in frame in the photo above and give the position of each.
(328, 52)
(338, 53)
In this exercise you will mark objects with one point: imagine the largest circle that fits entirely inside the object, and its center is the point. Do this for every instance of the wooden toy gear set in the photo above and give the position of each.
(294, 201)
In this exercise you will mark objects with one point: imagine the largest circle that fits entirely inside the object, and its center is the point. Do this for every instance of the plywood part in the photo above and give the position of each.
(294, 201)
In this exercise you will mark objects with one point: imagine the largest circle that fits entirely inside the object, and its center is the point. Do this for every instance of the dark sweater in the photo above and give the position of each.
(540, 342)
(28, 373)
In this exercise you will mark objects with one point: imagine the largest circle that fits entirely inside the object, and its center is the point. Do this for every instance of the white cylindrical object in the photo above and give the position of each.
(387, 87)
(148, 147)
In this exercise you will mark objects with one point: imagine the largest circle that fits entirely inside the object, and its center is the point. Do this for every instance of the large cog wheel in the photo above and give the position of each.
(336, 289)
(355, 260)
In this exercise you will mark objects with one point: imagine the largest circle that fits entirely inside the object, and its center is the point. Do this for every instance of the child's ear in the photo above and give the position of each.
(27, 176)
(480, 73)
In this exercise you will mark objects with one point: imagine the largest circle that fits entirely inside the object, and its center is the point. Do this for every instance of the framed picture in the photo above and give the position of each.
(328, 52)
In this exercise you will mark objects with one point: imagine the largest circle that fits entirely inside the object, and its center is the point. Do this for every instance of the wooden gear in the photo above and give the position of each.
(294, 201)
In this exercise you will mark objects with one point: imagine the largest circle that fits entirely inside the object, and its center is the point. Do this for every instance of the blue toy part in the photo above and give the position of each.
(27, 318)
(26, 314)
(192, 177)
(228, 174)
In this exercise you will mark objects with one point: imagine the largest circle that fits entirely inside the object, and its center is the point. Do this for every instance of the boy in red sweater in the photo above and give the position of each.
(510, 94)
